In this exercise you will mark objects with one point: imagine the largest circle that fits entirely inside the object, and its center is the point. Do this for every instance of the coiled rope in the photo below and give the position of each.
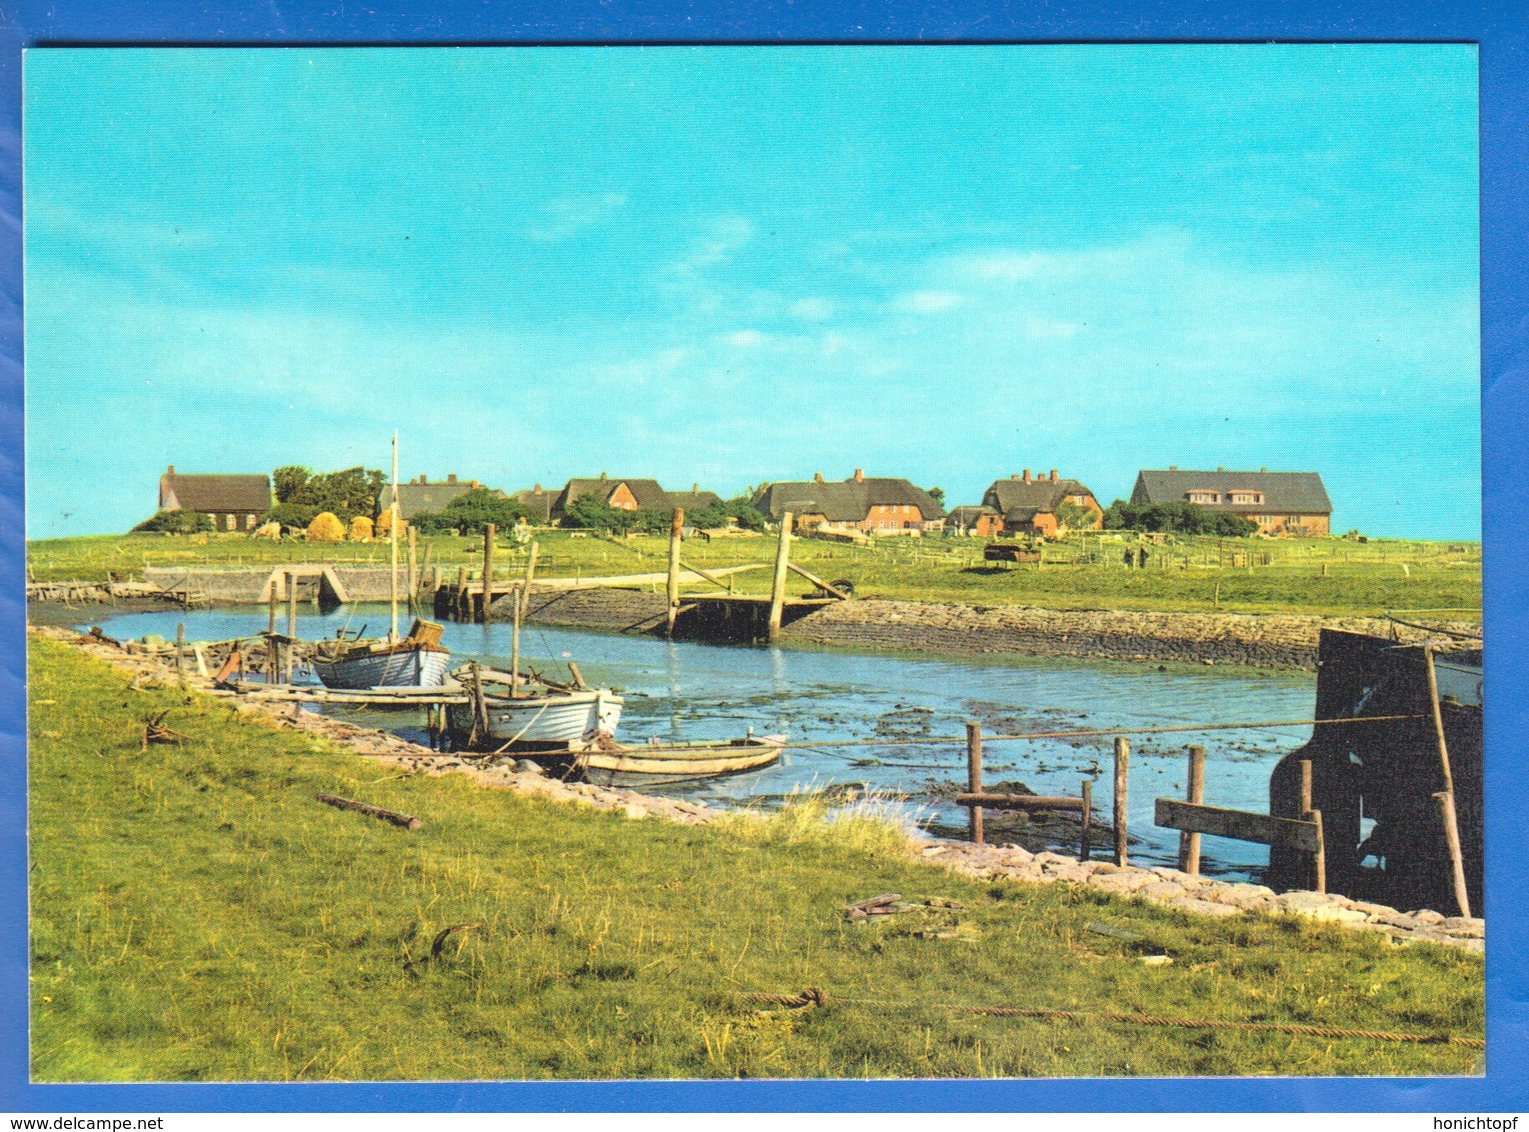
(815, 996)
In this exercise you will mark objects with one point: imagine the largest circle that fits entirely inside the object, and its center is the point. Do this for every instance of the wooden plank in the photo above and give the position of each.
(1022, 802)
(1242, 825)
(817, 581)
(778, 583)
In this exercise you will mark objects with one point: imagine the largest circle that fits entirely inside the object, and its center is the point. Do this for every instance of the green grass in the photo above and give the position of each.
(196, 915)
(1331, 577)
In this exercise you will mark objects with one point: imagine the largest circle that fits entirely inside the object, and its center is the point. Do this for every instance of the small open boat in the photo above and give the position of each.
(417, 661)
(611, 764)
(534, 716)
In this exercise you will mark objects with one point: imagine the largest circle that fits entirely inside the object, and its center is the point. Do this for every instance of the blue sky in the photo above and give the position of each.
(734, 265)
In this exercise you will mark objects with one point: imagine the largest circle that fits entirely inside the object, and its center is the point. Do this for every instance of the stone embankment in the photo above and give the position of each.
(1264, 640)
(1194, 895)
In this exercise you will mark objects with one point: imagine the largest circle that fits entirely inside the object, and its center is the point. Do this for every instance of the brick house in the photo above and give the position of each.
(421, 497)
(234, 502)
(625, 494)
(980, 522)
(872, 506)
(1281, 503)
(538, 505)
(1024, 504)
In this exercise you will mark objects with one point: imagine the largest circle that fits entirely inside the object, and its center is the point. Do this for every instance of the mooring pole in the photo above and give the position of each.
(413, 569)
(1122, 767)
(488, 568)
(1319, 855)
(676, 533)
(1189, 843)
(180, 644)
(974, 778)
(270, 635)
(1445, 799)
(778, 585)
(291, 647)
(1085, 837)
(460, 599)
(522, 601)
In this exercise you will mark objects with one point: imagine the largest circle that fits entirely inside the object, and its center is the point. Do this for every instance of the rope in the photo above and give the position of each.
(814, 996)
(1105, 734)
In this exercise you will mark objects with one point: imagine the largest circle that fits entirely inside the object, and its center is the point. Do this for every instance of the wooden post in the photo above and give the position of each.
(413, 570)
(1085, 837)
(1122, 769)
(461, 594)
(488, 568)
(974, 777)
(1189, 843)
(676, 533)
(522, 599)
(1445, 800)
(1319, 855)
(291, 646)
(180, 643)
(270, 636)
(778, 585)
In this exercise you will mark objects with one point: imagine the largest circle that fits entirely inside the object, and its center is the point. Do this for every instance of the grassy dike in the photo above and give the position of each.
(1323, 577)
(196, 915)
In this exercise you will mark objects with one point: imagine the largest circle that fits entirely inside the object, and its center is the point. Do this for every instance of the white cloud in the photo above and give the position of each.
(746, 339)
(927, 302)
(812, 310)
(566, 217)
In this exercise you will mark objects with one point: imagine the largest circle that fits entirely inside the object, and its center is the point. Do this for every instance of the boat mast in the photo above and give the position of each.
(393, 539)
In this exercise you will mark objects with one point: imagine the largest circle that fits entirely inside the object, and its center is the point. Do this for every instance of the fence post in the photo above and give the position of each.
(974, 777)
(1445, 800)
(1189, 843)
(676, 533)
(1319, 857)
(488, 568)
(1122, 767)
(180, 644)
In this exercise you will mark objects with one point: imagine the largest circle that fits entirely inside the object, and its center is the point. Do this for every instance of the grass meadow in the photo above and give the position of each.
(1329, 577)
(197, 916)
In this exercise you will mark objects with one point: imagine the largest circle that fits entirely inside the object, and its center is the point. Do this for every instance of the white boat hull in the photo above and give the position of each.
(571, 720)
(415, 668)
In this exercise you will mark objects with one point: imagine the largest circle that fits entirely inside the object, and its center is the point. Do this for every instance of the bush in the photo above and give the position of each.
(292, 514)
(360, 529)
(1180, 518)
(740, 509)
(589, 512)
(176, 523)
(326, 527)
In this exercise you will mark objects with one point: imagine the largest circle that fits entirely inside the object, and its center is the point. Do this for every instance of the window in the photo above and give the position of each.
(1248, 497)
(1204, 496)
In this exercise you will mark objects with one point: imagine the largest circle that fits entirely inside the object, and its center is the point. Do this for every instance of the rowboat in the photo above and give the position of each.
(613, 765)
(571, 721)
(417, 661)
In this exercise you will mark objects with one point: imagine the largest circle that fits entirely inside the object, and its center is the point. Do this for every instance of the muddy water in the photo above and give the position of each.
(695, 691)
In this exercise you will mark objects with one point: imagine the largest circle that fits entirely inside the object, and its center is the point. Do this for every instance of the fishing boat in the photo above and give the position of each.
(418, 660)
(612, 764)
(536, 714)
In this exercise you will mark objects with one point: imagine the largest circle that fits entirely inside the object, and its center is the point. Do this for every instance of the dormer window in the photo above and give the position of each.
(1203, 496)
(1248, 497)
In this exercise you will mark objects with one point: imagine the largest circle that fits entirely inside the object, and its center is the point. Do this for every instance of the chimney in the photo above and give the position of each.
(1053, 475)
(538, 489)
(451, 477)
(1219, 468)
(859, 475)
(473, 485)
(1173, 467)
(695, 488)
(171, 472)
(1027, 475)
(817, 477)
(603, 477)
(1263, 469)
(1014, 475)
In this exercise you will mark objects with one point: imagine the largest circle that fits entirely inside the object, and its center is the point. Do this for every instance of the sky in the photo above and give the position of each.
(734, 265)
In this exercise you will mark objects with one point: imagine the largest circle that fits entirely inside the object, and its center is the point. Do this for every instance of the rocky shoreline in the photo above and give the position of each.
(1194, 895)
(1261, 640)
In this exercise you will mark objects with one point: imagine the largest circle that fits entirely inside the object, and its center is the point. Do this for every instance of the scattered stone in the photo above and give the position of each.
(1156, 960)
(1205, 907)
(1427, 916)
(527, 766)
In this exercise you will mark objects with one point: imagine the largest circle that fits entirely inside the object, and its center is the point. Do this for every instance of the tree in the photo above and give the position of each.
(176, 523)
(1181, 518)
(938, 495)
(469, 513)
(326, 527)
(1075, 517)
(592, 513)
(292, 514)
(741, 509)
(289, 480)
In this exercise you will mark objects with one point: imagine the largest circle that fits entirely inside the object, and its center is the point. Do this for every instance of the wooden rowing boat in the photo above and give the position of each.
(657, 763)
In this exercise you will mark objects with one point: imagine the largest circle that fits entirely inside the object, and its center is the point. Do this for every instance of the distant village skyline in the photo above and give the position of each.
(728, 266)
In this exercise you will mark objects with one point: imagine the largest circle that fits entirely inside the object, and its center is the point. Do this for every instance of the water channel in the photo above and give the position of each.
(682, 690)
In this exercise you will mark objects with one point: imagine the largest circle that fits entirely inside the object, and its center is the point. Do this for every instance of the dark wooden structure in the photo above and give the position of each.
(1375, 785)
